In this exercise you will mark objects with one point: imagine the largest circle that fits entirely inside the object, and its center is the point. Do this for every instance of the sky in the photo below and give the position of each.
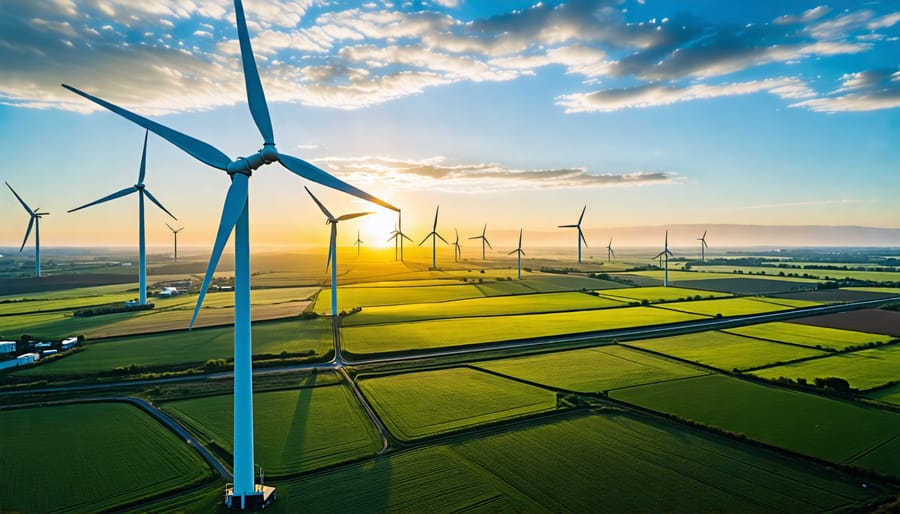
(506, 113)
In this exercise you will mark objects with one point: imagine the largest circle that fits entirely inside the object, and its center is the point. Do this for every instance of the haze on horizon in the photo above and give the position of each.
(652, 113)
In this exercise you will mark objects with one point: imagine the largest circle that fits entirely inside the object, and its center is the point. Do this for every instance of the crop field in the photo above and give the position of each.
(349, 297)
(728, 307)
(834, 295)
(198, 346)
(864, 369)
(427, 403)
(463, 331)
(878, 321)
(888, 394)
(829, 429)
(490, 306)
(296, 430)
(505, 288)
(874, 276)
(592, 370)
(725, 351)
(750, 286)
(550, 283)
(808, 335)
(101, 443)
(655, 294)
(703, 273)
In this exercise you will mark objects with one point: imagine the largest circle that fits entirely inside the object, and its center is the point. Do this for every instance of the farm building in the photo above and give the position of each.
(169, 291)
(44, 345)
(7, 347)
(27, 358)
(67, 343)
(49, 352)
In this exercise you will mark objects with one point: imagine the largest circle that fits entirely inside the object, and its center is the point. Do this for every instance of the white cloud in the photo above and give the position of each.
(863, 91)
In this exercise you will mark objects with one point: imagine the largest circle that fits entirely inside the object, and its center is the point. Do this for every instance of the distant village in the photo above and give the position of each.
(28, 351)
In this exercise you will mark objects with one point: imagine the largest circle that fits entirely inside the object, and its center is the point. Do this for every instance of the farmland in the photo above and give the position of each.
(732, 306)
(828, 429)
(725, 351)
(304, 428)
(101, 443)
(659, 294)
(874, 276)
(888, 394)
(708, 273)
(808, 335)
(864, 369)
(592, 370)
(349, 297)
(425, 403)
(878, 321)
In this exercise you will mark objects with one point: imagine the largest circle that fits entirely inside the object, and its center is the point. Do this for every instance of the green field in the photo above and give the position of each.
(592, 370)
(808, 335)
(350, 297)
(829, 429)
(580, 463)
(725, 351)
(709, 273)
(863, 369)
(492, 306)
(772, 272)
(89, 458)
(888, 394)
(184, 347)
(656, 294)
(464, 331)
(426, 403)
(296, 430)
(733, 306)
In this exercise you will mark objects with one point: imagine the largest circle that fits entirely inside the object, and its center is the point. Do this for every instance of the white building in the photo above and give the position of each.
(67, 343)
(7, 347)
(27, 358)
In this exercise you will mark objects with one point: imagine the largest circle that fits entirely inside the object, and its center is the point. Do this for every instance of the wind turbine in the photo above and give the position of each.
(580, 233)
(358, 242)
(434, 237)
(400, 233)
(235, 217)
(457, 249)
(140, 189)
(332, 245)
(665, 253)
(703, 246)
(175, 234)
(520, 253)
(609, 251)
(484, 241)
(35, 221)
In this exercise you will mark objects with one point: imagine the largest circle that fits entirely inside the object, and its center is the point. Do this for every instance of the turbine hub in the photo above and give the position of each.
(139, 186)
(269, 154)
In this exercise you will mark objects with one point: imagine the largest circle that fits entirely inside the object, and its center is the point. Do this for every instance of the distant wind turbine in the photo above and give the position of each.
(141, 190)
(175, 235)
(434, 237)
(484, 241)
(609, 251)
(358, 243)
(519, 253)
(332, 245)
(235, 217)
(397, 236)
(703, 246)
(34, 221)
(457, 249)
(665, 253)
(580, 233)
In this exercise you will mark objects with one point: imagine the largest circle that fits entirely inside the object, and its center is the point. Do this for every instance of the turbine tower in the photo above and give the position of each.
(35, 222)
(665, 253)
(401, 234)
(457, 249)
(235, 217)
(609, 251)
(332, 245)
(580, 233)
(358, 243)
(484, 241)
(175, 235)
(703, 246)
(434, 237)
(141, 190)
(520, 253)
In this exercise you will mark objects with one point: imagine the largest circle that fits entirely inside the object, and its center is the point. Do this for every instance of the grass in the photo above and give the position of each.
(654, 294)
(427, 403)
(172, 349)
(89, 458)
(820, 274)
(828, 429)
(730, 306)
(592, 370)
(296, 430)
(492, 306)
(349, 297)
(713, 272)
(863, 369)
(888, 394)
(464, 331)
(808, 335)
(725, 351)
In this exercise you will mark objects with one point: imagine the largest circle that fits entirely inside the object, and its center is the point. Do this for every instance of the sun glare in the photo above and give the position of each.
(375, 229)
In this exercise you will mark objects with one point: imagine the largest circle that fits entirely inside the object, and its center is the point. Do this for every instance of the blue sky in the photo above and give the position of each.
(504, 112)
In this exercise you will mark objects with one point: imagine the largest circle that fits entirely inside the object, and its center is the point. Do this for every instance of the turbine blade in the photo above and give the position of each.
(332, 239)
(27, 233)
(256, 98)
(354, 215)
(657, 256)
(523, 251)
(613, 252)
(581, 235)
(170, 227)
(484, 231)
(197, 149)
(475, 237)
(118, 194)
(406, 237)
(154, 200)
(582, 214)
(235, 203)
(567, 226)
(143, 160)
(441, 238)
(436, 210)
(426, 239)
(488, 243)
(321, 207)
(520, 238)
(512, 252)
(27, 208)
(310, 172)
(704, 235)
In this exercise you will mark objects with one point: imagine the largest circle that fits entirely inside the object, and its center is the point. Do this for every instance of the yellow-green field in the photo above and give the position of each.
(864, 369)
(732, 306)
(808, 335)
(820, 274)
(655, 294)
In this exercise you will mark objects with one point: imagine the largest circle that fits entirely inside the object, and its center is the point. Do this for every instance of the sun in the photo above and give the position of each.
(375, 229)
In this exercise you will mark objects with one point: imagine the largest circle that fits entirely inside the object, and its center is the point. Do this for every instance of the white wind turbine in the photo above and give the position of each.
(580, 233)
(332, 245)
(34, 221)
(665, 253)
(703, 246)
(358, 243)
(519, 253)
(141, 190)
(175, 235)
(235, 217)
(484, 241)
(609, 251)
(397, 236)
(457, 249)
(434, 237)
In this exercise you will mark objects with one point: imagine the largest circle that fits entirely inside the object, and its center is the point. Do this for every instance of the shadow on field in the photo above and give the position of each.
(296, 436)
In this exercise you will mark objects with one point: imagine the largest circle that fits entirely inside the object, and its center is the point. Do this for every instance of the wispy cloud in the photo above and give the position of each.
(863, 91)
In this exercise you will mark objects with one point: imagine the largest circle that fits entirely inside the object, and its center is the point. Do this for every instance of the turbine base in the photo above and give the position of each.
(261, 498)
